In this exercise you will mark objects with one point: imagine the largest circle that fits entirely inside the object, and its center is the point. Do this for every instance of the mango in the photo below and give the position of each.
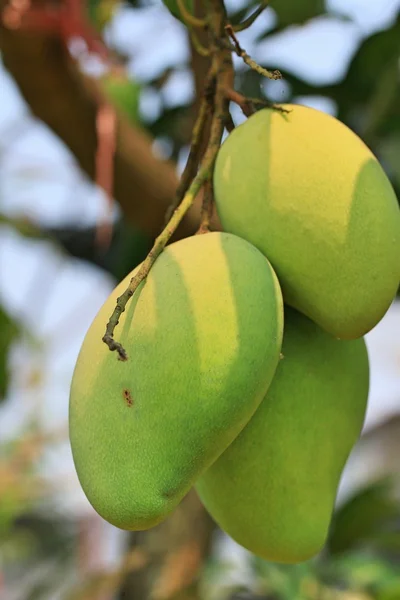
(308, 193)
(203, 335)
(273, 490)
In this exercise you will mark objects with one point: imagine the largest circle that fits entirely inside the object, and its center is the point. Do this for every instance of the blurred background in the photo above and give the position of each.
(56, 269)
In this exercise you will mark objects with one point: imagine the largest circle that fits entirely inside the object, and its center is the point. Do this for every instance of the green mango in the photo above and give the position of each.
(173, 8)
(123, 93)
(273, 489)
(203, 336)
(308, 193)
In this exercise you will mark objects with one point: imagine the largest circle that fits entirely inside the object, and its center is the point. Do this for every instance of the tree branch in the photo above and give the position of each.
(57, 94)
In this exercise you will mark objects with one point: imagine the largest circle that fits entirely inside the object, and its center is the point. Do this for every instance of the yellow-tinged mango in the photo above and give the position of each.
(273, 489)
(203, 335)
(308, 193)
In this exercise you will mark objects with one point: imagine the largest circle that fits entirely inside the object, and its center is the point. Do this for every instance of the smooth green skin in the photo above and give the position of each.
(273, 489)
(173, 8)
(308, 193)
(203, 336)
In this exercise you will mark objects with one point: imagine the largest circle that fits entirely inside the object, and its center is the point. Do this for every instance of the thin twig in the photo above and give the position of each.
(189, 18)
(206, 208)
(247, 59)
(154, 253)
(229, 123)
(192, 163)
(200, 49)
(250, 20)
(221, 66)
(246, 104)
(161, 241)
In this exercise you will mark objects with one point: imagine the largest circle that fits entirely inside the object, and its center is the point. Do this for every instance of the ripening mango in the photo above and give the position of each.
(308, 193)
(203, 335)
(273, 490)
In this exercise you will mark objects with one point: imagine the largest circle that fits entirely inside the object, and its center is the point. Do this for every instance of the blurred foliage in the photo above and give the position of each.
(37, 533)
(365, 518)
(292, 13)
(100, 12)
(173, 7)
(36, 541)
(9, 332)
(127, 249)
(124, 93)
(366, 98)
(359, 570)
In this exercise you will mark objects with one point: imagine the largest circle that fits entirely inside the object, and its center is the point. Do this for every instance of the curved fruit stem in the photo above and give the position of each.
(156, 250)
(190, 19)
(222, 64)
(206, 111)
(217, 95)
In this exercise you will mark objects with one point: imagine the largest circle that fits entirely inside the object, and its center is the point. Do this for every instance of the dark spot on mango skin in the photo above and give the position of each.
(127, 397)
(168, 494)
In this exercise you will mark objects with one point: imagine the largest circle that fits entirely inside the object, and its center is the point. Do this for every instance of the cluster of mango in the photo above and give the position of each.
(247, 373)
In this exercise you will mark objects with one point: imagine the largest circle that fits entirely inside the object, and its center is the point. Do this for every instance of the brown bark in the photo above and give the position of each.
(200, 66)
(144, 185)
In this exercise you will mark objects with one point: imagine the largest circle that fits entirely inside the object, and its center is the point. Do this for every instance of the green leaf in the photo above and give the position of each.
(173, 8)
(238, 16)
(100, 12)
(8, 333)
(23, 226)
(174, 123)
(290, 12)
(369, 93)
(359, 570)
(52, 532)
(10, 507)
(124, 93)
(389, 153)
(372, 57)
(389, 591)
(364, 517)
(127, 249)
